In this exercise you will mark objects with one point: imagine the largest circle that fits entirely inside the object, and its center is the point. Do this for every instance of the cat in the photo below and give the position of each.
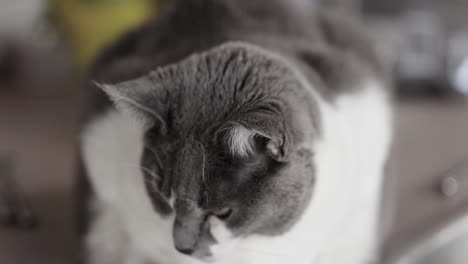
(236, 132)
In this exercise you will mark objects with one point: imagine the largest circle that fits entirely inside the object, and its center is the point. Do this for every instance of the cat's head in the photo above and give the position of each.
(227, 144)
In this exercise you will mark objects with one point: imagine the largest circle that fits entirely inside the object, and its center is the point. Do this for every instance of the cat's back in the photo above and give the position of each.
(189, 26)
(320, 42)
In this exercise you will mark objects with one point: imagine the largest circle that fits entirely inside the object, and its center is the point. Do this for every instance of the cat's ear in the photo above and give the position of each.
(258, 132)
(136, 97)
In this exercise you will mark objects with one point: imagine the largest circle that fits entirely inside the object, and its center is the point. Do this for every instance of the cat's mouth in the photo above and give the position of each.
(193, 239)
(204, 255)
(201, 253)
(207, 259)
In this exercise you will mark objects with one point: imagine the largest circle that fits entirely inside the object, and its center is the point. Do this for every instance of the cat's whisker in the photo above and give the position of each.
(131, 165)
(155, 154)
(185, 198)
(149, 181)
(203, 170)
(147, 170)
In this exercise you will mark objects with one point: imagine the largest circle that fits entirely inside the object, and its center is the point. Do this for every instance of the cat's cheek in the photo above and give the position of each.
(219, 230)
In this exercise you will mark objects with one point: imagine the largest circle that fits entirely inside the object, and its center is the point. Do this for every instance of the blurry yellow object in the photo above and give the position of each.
(91, 25)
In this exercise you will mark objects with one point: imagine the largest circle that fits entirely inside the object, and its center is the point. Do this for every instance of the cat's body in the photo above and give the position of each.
(342, 121)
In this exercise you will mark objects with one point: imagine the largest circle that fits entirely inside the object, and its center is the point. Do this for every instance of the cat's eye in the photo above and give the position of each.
(223, 213)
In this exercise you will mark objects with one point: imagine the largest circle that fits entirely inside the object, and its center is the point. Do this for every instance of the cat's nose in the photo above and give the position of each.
(187, 228)
(185, 238)
(186, 251)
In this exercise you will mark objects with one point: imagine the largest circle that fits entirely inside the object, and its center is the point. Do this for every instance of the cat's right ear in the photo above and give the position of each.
(260, 131)
(136, 98)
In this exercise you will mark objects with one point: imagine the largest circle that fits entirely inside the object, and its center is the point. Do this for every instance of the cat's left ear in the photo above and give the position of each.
(137, 97)
(259, 131)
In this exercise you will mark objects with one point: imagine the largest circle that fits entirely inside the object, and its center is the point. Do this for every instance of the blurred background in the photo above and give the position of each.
(46, 47)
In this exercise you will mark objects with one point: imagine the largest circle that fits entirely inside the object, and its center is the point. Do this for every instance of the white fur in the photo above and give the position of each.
(350, 162)
(240, 140)
(339, 226)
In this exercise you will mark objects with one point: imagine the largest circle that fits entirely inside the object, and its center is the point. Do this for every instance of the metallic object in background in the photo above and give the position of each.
(458, 62)
(421, 54)
(446, 244)
(14, 208)
(425, 43)
(454, 181)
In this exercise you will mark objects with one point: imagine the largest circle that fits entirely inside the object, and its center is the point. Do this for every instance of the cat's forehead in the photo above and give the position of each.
(206, 88)
(224, 84)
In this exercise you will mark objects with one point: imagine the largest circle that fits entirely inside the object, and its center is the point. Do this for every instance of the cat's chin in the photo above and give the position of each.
(217, 253)
(202, 258)
(208, 259)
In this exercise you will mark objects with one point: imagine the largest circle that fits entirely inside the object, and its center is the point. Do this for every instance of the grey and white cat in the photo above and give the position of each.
(236, 132)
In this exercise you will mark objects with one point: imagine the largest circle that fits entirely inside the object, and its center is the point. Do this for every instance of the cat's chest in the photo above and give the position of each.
(112, 148)
(349, 159)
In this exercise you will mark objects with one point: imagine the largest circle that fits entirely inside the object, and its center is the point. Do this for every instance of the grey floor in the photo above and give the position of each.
(38, 132)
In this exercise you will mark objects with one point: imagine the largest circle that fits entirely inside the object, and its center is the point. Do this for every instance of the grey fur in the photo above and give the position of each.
(196, 101)
(203, 79)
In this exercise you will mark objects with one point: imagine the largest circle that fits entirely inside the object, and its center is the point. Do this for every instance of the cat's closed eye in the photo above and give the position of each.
(222, 213)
